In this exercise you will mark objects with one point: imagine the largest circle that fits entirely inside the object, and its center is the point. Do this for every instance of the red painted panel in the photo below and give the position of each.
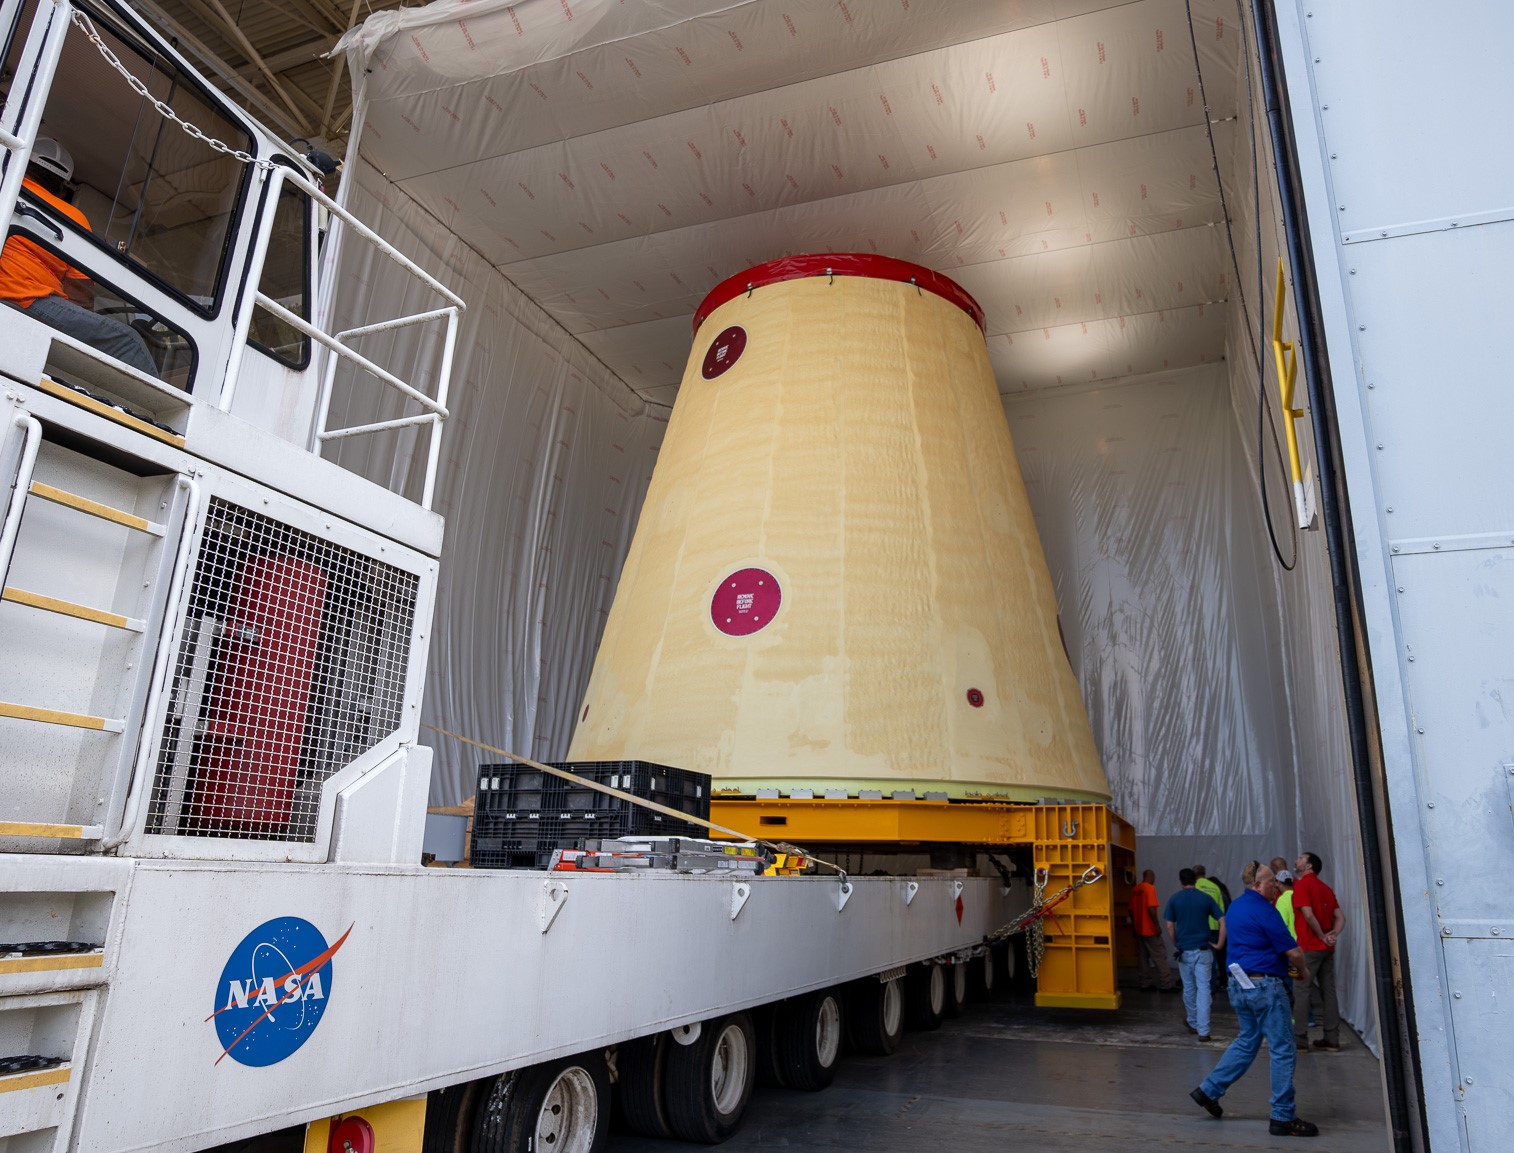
(256, 721)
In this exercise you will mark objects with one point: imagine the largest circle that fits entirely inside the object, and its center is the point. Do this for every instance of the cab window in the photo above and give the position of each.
(154, 195)
(286, 279)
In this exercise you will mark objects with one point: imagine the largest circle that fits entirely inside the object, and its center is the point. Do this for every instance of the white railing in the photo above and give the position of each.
(433, 409)
(22, 115)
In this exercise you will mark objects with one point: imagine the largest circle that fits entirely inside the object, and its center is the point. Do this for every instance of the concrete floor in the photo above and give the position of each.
(1008, 1076)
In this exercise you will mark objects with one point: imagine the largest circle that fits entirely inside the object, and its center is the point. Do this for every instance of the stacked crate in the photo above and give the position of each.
(521, 815)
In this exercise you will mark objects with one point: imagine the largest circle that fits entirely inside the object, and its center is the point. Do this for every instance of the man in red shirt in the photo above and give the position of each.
(1319, 921)
(1156, 973)
(48, 288)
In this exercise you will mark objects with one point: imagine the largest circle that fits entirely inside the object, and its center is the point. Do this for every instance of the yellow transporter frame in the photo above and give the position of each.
(1084, 934)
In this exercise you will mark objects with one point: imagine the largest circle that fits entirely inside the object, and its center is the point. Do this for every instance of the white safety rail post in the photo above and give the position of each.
(433, 409)
(22, 115)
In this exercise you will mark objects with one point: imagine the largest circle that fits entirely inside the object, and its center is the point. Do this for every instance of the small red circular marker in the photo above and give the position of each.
(745, 602)
(975, 698)
(724, 351)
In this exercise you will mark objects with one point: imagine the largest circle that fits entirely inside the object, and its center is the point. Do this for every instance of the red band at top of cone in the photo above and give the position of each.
(839, 264)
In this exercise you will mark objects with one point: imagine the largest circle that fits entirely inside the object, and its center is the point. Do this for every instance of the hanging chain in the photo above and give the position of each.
(1032, 922)
(86, 26)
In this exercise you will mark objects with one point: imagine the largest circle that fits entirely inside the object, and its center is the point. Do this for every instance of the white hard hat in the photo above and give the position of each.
(51, 156)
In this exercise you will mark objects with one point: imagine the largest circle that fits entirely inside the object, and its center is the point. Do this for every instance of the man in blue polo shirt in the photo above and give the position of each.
(1261, 952)
(1187, 920)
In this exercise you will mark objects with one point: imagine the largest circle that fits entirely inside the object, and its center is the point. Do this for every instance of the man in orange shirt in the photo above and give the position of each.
(1155, 971)
(46, 287)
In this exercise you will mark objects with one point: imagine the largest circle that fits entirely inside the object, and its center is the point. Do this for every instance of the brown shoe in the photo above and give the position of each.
(1327, 1046)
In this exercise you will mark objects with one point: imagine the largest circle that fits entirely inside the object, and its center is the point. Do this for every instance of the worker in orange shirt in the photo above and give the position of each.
(1156, 973)
(46, 287)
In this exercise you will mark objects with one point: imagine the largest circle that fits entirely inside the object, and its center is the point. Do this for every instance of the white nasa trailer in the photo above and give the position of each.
(212, 798)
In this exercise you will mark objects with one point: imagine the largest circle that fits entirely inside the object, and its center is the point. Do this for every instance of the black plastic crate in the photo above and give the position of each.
(510, 787)
(521, 814)
(675, 788)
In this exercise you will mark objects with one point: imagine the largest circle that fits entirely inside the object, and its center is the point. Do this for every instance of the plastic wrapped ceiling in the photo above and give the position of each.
(614, 161)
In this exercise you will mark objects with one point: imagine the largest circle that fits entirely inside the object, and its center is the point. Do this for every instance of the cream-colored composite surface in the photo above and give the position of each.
(858, 452)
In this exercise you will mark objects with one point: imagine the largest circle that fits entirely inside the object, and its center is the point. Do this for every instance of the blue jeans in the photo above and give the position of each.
(1197, 967)
(107, 334)
(1261, 1012)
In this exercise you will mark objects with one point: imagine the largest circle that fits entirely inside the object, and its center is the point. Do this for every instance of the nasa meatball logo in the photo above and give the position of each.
(273, 991)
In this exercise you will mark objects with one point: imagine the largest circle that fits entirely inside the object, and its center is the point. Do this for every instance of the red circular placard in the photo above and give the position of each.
(725, 351)
(745, 602)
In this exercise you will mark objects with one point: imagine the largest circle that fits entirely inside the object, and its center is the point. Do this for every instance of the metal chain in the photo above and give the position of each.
(86, 26)
(1032, 922)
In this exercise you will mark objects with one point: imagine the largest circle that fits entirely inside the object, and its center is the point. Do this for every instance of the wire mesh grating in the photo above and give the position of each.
(291, 663)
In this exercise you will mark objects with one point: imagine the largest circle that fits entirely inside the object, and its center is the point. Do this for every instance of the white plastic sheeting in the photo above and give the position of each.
(612, 162)
(1207, 672)
(546, 457)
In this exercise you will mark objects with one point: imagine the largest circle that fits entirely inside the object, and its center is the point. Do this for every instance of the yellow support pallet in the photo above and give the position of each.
(882, 822)
(1083, 935)
(1080, 968)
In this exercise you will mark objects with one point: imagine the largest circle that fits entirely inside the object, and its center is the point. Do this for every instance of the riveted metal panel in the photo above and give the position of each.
(1481, 971)
(1457, 632)
(1408, 114)
(1434, 358)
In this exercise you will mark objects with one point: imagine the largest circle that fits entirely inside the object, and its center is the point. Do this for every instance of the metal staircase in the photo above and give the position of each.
(86, 563)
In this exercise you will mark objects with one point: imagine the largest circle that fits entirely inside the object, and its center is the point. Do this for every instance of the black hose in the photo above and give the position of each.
(1401, 1066)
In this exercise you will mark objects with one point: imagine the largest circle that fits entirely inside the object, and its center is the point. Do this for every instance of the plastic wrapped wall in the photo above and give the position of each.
(546, 457)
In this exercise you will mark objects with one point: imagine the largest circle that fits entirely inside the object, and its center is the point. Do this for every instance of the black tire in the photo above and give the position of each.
(956, 989)
(982, 975)
(562, 1106)
(639, 1090)
(924, 996)
(807, 1036)
(450, 1114)
(707, 1083)
(875, 1015)
(769, 1069)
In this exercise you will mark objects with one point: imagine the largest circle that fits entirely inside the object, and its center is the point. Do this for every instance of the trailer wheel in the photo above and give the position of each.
(876, 1015)
(450, 1115)
(807, 1034)
(956, 989)
(562, 1106)
(641, 1063)
(924, 996)
(982, 975)
(707, 1083)
(769, 1066)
